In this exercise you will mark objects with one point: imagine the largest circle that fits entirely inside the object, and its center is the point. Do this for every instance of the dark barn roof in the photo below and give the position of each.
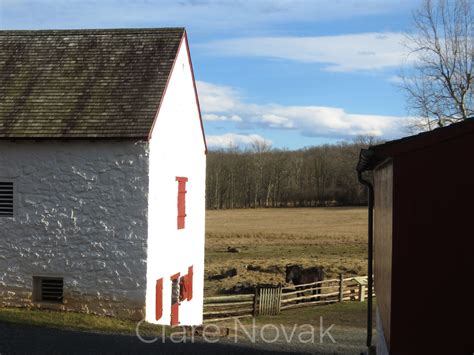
(374, 155)
(84, 83)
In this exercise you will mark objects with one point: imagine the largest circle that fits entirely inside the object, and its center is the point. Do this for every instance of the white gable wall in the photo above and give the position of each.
(176, 149)
(81, 214)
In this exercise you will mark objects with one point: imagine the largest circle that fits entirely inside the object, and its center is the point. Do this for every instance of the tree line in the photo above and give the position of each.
(264, 177)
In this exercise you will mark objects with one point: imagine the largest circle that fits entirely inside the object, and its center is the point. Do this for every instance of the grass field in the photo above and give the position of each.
(334, 237)
(76, 321)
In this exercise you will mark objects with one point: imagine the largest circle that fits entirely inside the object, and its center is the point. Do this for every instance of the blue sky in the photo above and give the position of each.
(294, 73)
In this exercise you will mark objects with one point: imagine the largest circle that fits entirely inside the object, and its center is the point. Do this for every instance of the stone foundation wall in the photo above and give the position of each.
(105, 306)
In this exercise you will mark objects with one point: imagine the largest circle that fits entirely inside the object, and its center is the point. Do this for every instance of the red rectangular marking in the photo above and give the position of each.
(181, 201)
(189, 283)
(159, 299)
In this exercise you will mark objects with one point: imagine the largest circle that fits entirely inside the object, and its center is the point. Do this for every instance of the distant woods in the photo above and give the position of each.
(264, 177)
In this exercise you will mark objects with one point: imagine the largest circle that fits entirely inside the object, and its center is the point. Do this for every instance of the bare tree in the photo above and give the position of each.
(439, 84)
(260, 148)
(366, 140)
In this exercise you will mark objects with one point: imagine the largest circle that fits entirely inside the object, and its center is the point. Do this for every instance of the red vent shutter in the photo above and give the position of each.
(189, 283)
(159, 299)
(181, 201)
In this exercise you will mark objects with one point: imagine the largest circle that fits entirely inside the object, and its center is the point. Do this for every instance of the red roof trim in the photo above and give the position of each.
(183, 39)
(166, 87)
(195, 91)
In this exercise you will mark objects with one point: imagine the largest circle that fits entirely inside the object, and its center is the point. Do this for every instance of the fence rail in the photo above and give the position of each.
(272, 300)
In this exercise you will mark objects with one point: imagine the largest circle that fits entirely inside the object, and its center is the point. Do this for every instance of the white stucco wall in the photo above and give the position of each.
(81, 213)
(177, 149)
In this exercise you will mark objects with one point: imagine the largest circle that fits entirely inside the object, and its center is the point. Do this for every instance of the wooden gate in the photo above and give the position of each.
(269, 300)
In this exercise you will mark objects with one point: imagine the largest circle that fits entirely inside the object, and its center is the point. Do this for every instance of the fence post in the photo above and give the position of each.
(361, 293)
(255, 301)
(341, 287)
(280, 290)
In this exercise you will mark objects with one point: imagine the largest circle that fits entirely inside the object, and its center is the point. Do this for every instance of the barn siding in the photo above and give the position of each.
(383, 204)
(433, 247)
(81, 214)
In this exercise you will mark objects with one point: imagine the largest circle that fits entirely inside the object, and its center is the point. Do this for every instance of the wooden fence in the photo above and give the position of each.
(272, 300)
(225, 307)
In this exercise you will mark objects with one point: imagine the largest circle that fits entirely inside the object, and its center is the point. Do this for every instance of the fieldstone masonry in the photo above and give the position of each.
(81, 214)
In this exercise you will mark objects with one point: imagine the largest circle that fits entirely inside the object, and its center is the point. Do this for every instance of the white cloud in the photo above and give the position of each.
(311, 121)
(395, 79)
(214, 117)
(320, 121)
(274, 120)
(217, 98)
(235, 140)
(349, 52)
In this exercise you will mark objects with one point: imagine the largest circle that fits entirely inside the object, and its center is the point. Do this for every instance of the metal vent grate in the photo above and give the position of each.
(52, 289)
(6, 199)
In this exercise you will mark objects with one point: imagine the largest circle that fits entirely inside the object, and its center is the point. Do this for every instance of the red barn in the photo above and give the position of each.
(423, 226)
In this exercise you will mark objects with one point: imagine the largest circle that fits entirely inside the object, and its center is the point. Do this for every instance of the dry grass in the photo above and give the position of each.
(331, 237)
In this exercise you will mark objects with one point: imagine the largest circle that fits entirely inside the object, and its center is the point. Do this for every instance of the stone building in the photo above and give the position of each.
(102, 174)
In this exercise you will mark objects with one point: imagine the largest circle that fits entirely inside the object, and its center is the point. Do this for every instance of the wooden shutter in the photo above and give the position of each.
(181, 201)
(189, 284)
(159, 299)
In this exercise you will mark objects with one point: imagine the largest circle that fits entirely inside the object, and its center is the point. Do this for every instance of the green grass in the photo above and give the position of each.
(347, 314)
(77, 321)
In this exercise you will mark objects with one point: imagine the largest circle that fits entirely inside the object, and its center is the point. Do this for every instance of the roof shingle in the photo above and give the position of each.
(83, 83)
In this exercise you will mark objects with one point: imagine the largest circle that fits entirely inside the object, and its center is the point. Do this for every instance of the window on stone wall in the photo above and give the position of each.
(6, 199)
(48, 289)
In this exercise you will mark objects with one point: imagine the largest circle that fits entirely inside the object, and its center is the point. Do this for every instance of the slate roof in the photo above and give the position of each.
(84, 83)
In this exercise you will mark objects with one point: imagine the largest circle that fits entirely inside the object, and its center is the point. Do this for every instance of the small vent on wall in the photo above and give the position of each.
(48, 289)
(6, 199)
